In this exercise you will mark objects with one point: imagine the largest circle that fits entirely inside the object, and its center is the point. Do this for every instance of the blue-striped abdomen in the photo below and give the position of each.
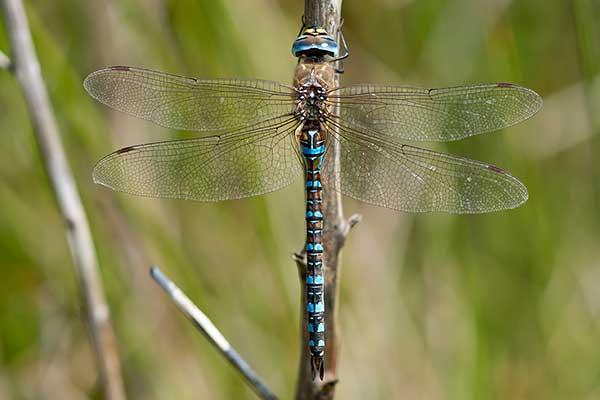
(312, 145)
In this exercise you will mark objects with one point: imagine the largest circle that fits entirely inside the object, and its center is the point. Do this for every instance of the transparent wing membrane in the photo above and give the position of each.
(443, 114)
(406, 178)
(230, 166)
(252, 150)
(186, 103)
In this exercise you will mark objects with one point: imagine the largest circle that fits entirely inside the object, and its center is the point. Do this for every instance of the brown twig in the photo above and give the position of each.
(327, 14)
(26, 68)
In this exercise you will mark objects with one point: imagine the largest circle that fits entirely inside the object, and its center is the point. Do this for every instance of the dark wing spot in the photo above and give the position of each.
(126, 149)
(120, 68)
(496, 169)
(505, 85)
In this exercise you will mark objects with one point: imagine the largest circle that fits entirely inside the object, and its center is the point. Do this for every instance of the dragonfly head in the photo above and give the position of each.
(315, 42)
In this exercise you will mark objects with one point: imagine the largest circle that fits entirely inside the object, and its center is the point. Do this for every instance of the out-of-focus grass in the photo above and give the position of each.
(434, 306)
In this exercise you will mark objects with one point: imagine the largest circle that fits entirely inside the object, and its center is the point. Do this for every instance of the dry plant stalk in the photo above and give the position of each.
(26, 68)
(326, 14)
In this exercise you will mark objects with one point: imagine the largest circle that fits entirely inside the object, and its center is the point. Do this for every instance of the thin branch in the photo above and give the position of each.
(205, 325)
(4, 61)
(26, 68)
(326, 14)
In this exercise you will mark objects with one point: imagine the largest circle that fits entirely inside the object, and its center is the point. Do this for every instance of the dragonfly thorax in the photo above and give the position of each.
(312, 102)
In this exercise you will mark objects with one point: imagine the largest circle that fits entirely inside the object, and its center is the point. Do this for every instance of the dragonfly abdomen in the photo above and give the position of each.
(313, 147)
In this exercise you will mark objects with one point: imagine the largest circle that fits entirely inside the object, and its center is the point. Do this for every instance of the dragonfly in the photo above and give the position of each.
(257, 136)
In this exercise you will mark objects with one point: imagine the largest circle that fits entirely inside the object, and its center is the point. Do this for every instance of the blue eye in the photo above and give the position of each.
(319, 45)
(329, 45)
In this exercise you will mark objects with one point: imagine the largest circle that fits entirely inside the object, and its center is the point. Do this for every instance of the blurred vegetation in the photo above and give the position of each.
(496, 306)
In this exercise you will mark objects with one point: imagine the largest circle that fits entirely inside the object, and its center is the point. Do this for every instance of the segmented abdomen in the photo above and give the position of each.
(313, 149)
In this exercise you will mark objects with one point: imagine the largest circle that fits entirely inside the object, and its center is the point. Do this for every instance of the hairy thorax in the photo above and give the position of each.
(312, 81)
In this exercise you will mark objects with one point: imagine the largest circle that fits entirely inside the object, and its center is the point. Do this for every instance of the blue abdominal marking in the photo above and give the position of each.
(321, 343)
(320, 328)
(308, 151)
(311, 328)
(313, 184)
(310, 308)
(320, 307)
(314, 280)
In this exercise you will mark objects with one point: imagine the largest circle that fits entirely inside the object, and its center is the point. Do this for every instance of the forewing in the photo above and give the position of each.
(411, 179)
(231, 166)
(187, 103)
(443, 114)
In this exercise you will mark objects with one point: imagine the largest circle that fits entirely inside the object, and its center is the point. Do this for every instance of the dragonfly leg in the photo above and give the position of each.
(339, 68)
(303, 26)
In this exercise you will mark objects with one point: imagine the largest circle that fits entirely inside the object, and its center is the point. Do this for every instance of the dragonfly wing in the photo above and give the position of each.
(411, 179)
(442, 114)
(187, 103)
(230, 166)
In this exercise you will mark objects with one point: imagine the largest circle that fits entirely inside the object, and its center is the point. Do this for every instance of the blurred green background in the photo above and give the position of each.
(496, 306)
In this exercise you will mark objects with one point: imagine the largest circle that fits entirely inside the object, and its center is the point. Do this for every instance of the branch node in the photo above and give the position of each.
(327, 390)
(347, 227)
(301, 263)
(299, 257)
(351, 223)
